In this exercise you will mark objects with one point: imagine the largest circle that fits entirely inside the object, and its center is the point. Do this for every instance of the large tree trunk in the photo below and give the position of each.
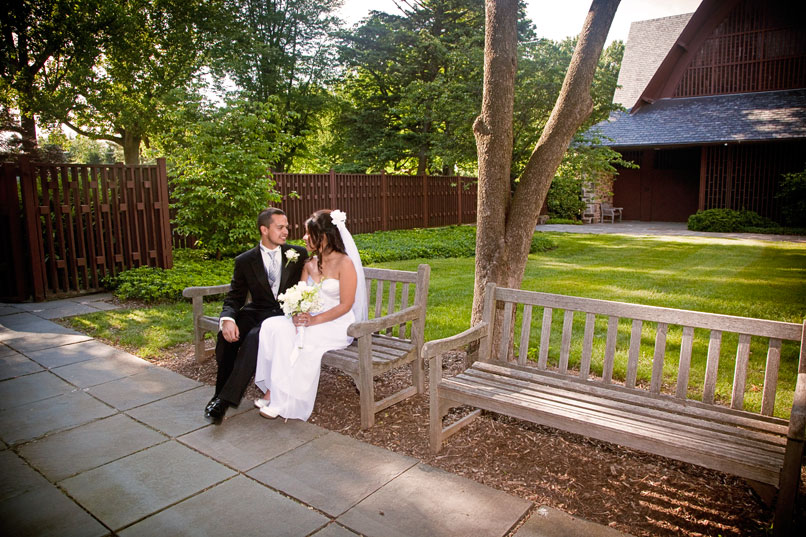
(131, 148)
(28, 134)
(505, 223)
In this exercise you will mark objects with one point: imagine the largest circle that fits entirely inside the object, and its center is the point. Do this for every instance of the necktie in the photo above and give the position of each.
(274, 273)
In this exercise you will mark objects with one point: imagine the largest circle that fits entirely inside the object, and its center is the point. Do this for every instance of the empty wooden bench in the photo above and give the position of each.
(391, 338)
(659, 414)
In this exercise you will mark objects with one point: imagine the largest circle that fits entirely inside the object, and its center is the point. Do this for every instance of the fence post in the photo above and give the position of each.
(333, 189)
(384, 201)
(459, 198)
(425, 199)
(166, 255)
(36, 253)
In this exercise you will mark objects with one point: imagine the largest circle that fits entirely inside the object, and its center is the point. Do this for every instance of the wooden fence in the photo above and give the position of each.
(65, 227)
(378, 202)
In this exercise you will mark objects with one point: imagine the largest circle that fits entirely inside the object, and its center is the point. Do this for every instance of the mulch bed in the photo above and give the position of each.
(631, 491)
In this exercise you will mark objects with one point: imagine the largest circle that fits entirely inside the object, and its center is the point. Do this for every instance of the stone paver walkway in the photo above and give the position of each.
(634, 227)
(96, 441)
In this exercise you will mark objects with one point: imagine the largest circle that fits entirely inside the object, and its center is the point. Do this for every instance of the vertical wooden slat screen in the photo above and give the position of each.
(378, 202)
(84, 222)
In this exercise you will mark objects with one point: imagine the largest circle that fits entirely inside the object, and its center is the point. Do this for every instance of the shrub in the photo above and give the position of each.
(727, 220)
(191, 269)
(564, 199)
(563, 221)
(792, 195)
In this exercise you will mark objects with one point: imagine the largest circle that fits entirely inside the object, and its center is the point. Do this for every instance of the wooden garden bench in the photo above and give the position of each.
(608, 211)
(765, 450)
(391, 338)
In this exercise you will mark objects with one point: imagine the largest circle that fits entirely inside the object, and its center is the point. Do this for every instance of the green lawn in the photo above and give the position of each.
(747, 278)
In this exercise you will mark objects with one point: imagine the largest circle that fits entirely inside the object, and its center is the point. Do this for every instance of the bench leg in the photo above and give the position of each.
(790, 480)
(366, 385)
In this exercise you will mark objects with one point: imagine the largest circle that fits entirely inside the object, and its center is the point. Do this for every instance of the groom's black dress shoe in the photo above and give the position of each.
(216, 409)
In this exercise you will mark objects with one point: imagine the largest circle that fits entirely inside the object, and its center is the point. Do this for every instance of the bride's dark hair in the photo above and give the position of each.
(319, 226)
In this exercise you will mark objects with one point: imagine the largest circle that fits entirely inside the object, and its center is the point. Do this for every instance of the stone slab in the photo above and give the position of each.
(428, 501)
(25, 332)
(6, 309)
(46, 512)
(176, 415)
(57, 309)
(74, 353)
(247, 440)
(67, 453)
(236, 507)
(100, 370)
(129, 489)
(550, 522)
(21, 391)
(31, 421)
(334, 530)
(18, 477)
(14, 364)
(324, 474)
(151, 385)
(5, 350)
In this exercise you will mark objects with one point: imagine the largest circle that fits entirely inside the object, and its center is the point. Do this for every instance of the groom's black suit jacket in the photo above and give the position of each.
(236, 360)
(250, 276)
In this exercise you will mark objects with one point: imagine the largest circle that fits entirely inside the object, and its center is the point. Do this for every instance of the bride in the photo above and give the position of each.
(289, 375)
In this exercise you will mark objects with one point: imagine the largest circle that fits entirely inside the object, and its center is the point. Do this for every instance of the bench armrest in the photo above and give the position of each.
(363, 328)
(434, 349)
(797, 419)
(191, 292)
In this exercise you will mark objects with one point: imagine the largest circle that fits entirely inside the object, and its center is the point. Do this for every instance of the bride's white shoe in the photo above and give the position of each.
(261, 403)
(266, 413)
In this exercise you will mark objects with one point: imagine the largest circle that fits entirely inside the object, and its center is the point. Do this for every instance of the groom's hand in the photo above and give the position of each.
(230, 331)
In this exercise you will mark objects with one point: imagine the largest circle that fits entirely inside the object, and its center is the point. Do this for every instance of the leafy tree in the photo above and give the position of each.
(220, 162)
(412, 86)
(506, 221)
(45, 43)
(281, 49)
(148, 68)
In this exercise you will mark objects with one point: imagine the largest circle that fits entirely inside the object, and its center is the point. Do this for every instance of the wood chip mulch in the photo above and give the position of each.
(631, 491)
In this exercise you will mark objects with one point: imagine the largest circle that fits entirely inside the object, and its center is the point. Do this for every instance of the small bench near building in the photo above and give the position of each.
(765, 450)
(390, 339)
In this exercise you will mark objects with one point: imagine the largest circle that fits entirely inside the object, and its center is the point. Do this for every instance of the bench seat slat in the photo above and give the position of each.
(669, 418)
(739, 418)
(750, 463)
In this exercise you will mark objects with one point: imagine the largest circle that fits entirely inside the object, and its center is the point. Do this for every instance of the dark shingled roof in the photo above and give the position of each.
(647, 45)
(742, 117)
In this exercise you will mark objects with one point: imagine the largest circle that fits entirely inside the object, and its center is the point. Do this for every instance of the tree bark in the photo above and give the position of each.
(131, 148)
(505, 223)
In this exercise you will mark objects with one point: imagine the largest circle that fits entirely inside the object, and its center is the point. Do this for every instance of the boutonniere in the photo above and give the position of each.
(291, 256)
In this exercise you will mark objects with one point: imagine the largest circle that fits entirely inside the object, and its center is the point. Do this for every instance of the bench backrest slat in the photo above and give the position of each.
(657, 358)
(610, 349)
(740, 372)
(684, 366)
(503, 349)
(587, 346)
(390, 306)
(712, 366)
(771, 377)
(526, 332)
(634, 353)
(404, 303)
(545, 337)
(565, 348)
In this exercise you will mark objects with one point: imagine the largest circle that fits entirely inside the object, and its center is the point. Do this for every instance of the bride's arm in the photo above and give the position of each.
(347, 283)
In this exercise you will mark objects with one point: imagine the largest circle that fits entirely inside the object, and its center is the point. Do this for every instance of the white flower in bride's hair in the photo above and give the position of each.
(338, 217)
(291, 255)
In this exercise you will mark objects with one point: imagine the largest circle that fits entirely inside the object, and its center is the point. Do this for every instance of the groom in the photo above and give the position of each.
(264, 272)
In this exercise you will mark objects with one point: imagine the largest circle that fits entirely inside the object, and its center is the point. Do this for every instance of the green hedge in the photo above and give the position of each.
(192, 269)
(728, 220)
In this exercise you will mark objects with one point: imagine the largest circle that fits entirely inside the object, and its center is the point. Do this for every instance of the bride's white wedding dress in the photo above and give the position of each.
(290, 372)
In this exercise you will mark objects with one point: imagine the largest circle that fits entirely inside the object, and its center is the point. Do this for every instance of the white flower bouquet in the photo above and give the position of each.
(302, 298)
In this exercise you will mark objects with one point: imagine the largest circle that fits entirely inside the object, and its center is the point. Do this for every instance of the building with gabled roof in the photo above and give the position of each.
(715, 108)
